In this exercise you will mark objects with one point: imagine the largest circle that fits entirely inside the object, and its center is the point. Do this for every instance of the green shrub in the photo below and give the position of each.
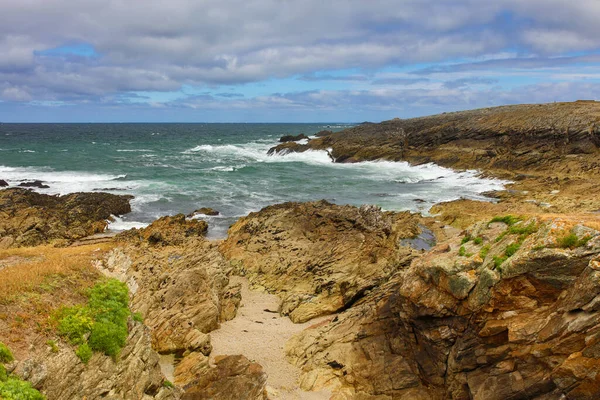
(462, 251)
(466, 239)
(5, 354)
(101, 325)
(484, 252)
(74, 323)
(84, 352)
(108, 337)
(524, 230)
(507, 219)
(478, 240)
(3, 374)
(16, 389)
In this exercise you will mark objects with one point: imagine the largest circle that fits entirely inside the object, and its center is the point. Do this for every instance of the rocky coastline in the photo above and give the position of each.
(503, 301)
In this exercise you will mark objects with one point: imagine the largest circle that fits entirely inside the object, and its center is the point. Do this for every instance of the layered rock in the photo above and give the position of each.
(136, 374)
(482, 319)
(564, 137)
(28, 218)
(319, 257)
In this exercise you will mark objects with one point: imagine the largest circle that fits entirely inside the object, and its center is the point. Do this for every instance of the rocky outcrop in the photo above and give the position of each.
(204, 211)
(319, 257)
(59, 374)
(510, 313)
(34, 184)
(232, 378)
(3, 183)
(28, 218)
(292, 138)
(166, 231)
(564, 137)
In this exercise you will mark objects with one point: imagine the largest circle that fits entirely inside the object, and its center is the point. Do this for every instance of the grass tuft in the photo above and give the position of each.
(5, 354)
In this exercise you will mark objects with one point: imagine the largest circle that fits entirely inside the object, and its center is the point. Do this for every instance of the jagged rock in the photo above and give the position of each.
(3, 183)
(232, 378)
(135, 375)
(204, 211)
(467, 327)
(35, 184)
(31, 218)
(167, 231)
(319, 257)
(182, 292)
(292, 138)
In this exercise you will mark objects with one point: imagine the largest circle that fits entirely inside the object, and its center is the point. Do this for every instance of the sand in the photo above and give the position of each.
(261, 336)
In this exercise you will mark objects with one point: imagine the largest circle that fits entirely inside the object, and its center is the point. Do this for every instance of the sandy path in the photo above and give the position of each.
(261, 336)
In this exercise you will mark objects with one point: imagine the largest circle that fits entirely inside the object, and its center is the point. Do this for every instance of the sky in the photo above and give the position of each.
(290, 61)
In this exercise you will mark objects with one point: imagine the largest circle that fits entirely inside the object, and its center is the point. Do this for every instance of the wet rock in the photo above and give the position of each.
(319, 257)
(35, 184)
(3, 183)
(204, 211)
(292, 138)
(31, 218)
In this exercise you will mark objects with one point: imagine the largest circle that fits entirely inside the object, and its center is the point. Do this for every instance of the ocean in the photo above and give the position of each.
(178, 168)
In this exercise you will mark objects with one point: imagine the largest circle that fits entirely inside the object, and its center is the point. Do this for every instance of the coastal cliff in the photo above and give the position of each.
(476, 300)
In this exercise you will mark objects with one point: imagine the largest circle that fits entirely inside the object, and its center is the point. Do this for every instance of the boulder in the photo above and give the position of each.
(3, 183)
(204, 211)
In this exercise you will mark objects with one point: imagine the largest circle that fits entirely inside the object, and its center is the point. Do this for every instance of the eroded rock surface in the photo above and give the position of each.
(471, 325)
(167, 231)
(135, 375)
(28, 218)
(319, 257)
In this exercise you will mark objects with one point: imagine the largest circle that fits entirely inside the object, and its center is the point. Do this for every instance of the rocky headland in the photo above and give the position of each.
(478, 300)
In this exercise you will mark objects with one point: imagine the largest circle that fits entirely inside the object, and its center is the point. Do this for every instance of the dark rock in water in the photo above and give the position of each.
(292, 138)
(36, 184)
(204, 211)
(32, 218)
(3, 183)
(324, 133)
(420, 201)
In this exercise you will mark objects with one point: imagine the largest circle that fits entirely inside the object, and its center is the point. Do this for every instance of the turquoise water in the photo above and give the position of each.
(173, 168)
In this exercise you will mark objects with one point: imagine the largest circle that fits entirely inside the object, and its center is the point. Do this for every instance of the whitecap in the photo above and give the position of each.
(119, 225)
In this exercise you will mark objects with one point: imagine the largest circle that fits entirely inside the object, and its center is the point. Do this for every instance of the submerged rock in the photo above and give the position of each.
(204, 211)
(319, 257)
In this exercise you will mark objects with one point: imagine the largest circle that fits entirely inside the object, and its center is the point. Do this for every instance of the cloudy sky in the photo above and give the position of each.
(296, 61)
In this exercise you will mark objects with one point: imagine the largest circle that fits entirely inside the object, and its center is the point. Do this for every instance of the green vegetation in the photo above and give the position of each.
(84, 352)
(498, 260)
(478, 240)
(137, 317)
(462, 251)
(484, 252)
(103, 321)
(5, 354)
(16, 389)
(571, 241)
(53, 346)
(512, 249)
(168, 384)
(12, 388)
(466, 239)
(509, 220)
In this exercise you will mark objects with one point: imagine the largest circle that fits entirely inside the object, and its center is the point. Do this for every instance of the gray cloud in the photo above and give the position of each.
(464, 82)
(160, 46)
(399, 81)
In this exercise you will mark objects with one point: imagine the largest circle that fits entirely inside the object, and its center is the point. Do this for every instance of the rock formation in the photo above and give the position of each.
(292, 138)
(471, 323)
(28, 218)
(319, 257)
